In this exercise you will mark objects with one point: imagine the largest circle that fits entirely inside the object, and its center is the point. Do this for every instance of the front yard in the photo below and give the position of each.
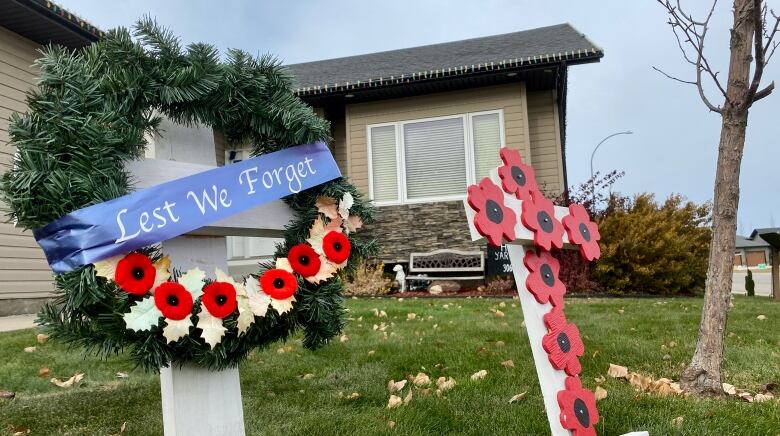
(289, 391)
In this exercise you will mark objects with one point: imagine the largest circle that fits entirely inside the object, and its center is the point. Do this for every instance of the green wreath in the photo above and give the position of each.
(88, 116)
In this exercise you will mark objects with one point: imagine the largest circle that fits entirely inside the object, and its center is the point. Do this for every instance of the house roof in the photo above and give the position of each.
(750, 242)
(770, 234)
(518, 50)
(46, 22)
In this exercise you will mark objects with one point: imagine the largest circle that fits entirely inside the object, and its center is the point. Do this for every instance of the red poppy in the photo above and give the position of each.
(542, 280)
(135, 274)
(539, 217)
(493, 220)
(220, 299)
(336, 247)
(279, 284)
(578, 408)
(582, 231)
(304, 260)
(562, 342)
(173, 300)
(516, 177)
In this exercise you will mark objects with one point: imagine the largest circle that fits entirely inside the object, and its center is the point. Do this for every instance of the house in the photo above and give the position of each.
(26, 25)
(412, 128)
(750, 252)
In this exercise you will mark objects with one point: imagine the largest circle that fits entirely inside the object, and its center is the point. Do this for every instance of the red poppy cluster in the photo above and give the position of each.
(281, 284)
(496, 222)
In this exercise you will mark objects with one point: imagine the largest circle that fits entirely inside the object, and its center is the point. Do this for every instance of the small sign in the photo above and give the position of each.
(498, 262)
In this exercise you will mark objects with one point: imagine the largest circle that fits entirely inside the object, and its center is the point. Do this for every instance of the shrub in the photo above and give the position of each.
(367, 279)
(499, 285)
(653, 248)
(750, 285)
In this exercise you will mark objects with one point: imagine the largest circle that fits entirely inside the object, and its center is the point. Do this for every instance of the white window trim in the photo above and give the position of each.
(470, 164)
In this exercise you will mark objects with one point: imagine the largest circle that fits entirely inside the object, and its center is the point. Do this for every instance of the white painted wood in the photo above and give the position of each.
(551, 380)
(267, 220)
(199, 402)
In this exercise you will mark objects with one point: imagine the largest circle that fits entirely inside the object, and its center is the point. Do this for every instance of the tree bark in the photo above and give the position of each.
(703, 374)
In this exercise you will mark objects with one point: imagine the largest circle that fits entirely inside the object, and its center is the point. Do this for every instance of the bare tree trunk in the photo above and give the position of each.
(703, 375)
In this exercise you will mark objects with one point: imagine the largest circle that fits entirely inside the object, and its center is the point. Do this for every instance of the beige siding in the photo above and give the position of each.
(543, 128)
(23, 269)
(338, 131)
(510, 98)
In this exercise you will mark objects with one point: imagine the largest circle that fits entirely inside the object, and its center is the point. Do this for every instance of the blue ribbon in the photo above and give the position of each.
(173, 208)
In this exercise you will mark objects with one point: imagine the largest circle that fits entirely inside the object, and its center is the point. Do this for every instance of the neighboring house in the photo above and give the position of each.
(751, 251)
(26, 25)
(412, 128)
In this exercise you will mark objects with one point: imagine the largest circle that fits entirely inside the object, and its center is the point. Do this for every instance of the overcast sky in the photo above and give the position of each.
(675, 142)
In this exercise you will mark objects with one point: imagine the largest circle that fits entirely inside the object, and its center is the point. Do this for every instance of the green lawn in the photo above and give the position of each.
(455, 341)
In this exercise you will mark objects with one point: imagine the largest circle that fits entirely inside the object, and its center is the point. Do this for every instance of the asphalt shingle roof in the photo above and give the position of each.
(560, 42)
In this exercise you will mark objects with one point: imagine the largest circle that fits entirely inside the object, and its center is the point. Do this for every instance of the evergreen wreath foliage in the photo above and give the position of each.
(88, 116)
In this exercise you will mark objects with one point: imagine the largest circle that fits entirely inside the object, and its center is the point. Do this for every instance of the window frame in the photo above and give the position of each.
(400, 155)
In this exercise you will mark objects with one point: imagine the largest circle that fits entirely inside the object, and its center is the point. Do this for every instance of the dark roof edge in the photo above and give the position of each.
(63, 17)
(593, 54)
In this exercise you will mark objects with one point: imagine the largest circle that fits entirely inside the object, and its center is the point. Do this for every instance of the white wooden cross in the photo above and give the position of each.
(551, 380)
(196, 401)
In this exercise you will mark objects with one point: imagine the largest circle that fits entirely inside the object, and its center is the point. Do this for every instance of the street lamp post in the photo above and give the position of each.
(593, 182)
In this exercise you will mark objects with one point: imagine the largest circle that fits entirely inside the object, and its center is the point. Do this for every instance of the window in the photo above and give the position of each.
(432, 159)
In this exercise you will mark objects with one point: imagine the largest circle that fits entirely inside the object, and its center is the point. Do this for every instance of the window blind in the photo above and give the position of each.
(384, 165)
(486, 134)
(435, 158)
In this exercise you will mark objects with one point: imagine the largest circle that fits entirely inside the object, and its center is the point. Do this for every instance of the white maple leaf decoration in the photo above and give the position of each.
(192, 281)
(176, 329)
(258, 300)
(327, 270)
(318, 231)
(346, 203)
(211, 327)
(282, 306)
(143, 315)
(246, 317)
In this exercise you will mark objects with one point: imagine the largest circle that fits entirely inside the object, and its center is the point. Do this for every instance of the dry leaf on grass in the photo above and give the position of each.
(411, 316)
(408, 397)
(421, 379)
(394, 402)
(617, 371)
(677, 422)
(69, 382)
(395, 386)
(479, 375)
(122, 375)
(371, 352)
(499, 314)
(758, 398)
(445, 384)
(353, 396)
(343, 338)
(508, 364)
(7, 394)
(600, 393)
(517, 398)
(600, 379)
(729, 389)
(42, 338)
(500, 343)
(43, 372)
(29, 349)
(391, 424)
(761, 317)
(307, 376)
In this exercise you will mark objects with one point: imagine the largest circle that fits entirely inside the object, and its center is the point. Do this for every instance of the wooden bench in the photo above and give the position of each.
(446, 261)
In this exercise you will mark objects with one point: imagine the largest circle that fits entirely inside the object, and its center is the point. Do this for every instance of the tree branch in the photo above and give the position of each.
(694, 32)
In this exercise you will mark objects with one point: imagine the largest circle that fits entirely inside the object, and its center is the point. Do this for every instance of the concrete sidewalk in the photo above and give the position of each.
(17, 322)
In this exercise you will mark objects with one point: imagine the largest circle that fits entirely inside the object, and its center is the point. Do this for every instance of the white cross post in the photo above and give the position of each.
(196, 401)
(551, 380)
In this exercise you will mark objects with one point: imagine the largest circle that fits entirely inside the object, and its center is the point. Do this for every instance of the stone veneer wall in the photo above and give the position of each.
(420, 228)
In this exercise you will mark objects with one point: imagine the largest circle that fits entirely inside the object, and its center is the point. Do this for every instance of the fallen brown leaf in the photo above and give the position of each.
(391, 424)
(421, 379)
(7, 394)
(122, 375)
(499, 314)
(600, 379)
(395, 386)
(761, 317)
(479, 375)
(69, 382)
(677, 422)
(600, 393)
(408, 397)
(42, 338)
(508, 364)
(517, 398)
(43, 372)
(617, 371)
(307, 376)
(729, 389)
(29, 349)
(762, 397)
(394, 402)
